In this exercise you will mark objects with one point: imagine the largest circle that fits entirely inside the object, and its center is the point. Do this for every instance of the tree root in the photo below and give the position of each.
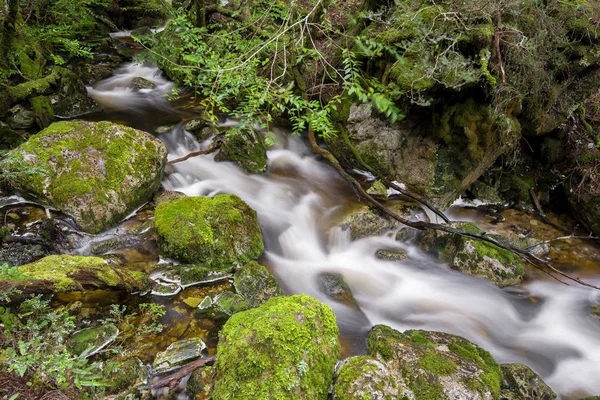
(216, 147)
(173, 380)
(526, 255)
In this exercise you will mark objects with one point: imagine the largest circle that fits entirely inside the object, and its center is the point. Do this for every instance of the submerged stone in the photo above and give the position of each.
(97, 172)
(391, 255)
(246, 148)
(284, 349)
(334, 287)
(255, 284)
(223, 305)
(89, 341)
(139, 83)
(177, 355)
(75, 273)
(194, 274)
(217, 232)
(519, 382)
(474, 257)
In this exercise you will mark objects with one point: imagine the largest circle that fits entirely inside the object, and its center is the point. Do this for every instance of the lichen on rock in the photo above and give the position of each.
(285, 349)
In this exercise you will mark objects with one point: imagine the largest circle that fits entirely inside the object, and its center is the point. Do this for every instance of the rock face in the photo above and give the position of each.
(74, 273)
(254, 283)
(519, 382)
(474, 257)
(177, 355)
(95, 172)
(364, 221)
(245, 148)
(218, 232)
(418, 365)
(411, 152)
(284, 349)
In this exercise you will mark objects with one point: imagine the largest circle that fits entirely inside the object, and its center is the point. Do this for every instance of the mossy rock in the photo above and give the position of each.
(139, 83)
(519, 382)
(97, 172)
(177, 355)
(431, 365)
(43, 111)
(222, 306)
(194, 274)
(217, 232)
(365, 221)
(9, 139)
(125, 375)
(89, 341)
(255, 284)
(246, 148)
(199, 386)
(474, 257)
(365, 378)
(21, 118)
(16, 254)
(391, 255)
(75, 273)
(333, 286)
(285, 349)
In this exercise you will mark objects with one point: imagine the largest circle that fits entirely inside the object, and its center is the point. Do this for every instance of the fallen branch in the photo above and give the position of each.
(216, 147)
(173, 379)
(531, 258)
(536, 203)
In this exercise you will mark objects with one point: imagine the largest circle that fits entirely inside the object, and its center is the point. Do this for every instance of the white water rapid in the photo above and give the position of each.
(544, 324)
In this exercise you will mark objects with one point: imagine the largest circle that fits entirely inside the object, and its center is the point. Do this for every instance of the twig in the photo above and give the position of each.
(173, 379)
(536, 203)
(197, 153)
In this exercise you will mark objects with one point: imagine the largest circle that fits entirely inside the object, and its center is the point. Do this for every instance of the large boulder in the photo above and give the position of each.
(285, 349)
(96, 172)
(218, 232)
(74, 273)
(418, 365)
(474, 257)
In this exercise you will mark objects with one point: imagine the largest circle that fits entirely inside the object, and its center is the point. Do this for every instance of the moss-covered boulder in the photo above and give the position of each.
(365, 221)
(96, 172)
(89, 341)
(218, 232)
(519, 382)
(255, 284)
(418, 365)
(244, 147)
(474, 257)
(75, 273)
(285, 349)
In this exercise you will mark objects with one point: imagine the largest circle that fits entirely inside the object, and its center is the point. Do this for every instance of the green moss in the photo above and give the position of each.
(284, 349)
(37, 87)
(363, 378)
(437, 364)
(217, 232)
(379, 341)
(97, 172)
(244, 147)
(42, 107)
(73, 273)
(492, 373)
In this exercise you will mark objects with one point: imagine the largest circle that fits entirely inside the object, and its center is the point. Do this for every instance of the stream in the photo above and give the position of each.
(541, 323)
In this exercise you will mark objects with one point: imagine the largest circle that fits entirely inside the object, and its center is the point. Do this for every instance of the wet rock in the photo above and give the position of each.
(365, 221)
(199, 386)
(419, 365)
(91, 73)
(474, 257)
(177, 355)
(74, 273)
(161, 288)
(106, 245)
(167, 195)
(194, 274)
(16, 254)
(223, 305)
(378, 190)
(125, 375)
(519, 382)
(536, 246)
(255, 284)
(89, 341)
(196, 125)
(244, 147)
(334, 287)
(286, 348)
(139, 83)
(96, 172)
(218, 232)
(486, 193)
(21, 118)
(391, 255)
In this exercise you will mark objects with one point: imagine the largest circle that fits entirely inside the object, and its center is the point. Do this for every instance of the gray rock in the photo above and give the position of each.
(334, 287)
(255, 284)
(246, 148)
(177, 355)
(139, 83)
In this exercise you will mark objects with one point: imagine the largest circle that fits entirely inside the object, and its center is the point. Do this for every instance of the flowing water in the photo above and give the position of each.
(541, 323)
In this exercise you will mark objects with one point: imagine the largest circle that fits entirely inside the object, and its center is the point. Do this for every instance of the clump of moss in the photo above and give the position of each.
(218, 232)
(96, 172)
(74, 273)
(284, 349)
(244, 147)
